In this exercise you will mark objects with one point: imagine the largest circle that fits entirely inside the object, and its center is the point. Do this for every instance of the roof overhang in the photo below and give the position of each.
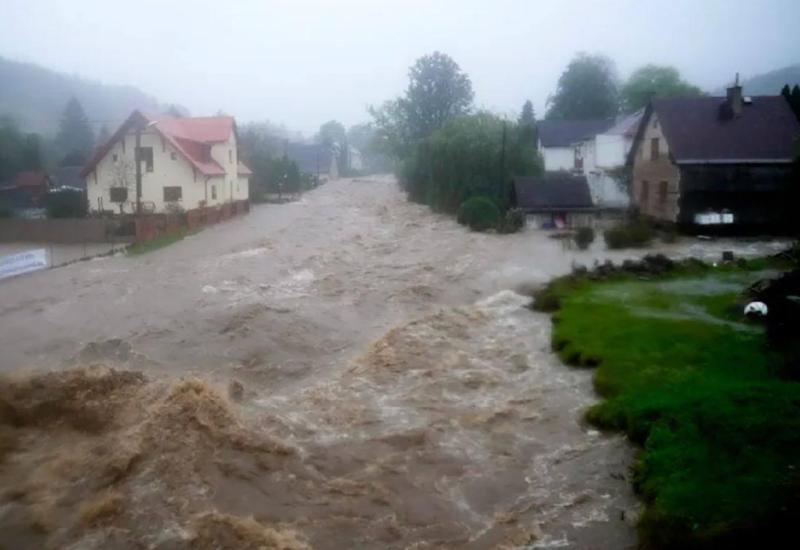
(735, 161)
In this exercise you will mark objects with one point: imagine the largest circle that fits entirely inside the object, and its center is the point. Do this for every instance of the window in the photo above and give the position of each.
(145, 155)
(655, 123)
(662, 192)
(119, 194)
(172, 194)
(654, 149)
(645, 191)
(173, 156)
(214, 192)
(114, 157)
(230, 155)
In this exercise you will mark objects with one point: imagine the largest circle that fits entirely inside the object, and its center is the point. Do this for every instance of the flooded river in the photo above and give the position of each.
(387, 346)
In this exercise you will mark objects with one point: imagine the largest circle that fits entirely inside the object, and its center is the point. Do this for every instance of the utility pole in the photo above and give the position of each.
(503, 163)
(138, 161)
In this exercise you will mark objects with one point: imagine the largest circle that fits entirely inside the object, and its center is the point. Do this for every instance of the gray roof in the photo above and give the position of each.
(563, 133)
(552, 191)
(627, 126)
(698, 129)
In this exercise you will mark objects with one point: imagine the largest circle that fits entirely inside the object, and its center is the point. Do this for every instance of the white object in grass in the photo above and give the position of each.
(756, 308)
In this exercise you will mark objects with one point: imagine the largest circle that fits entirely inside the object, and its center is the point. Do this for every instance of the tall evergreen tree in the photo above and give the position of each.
(527, 125)
(786, 92)
(75, 134)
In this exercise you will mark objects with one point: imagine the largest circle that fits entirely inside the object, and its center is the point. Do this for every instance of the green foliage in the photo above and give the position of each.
(332, 132)
(513, 221)
(654, 81)
(74, 132)
(586, 89)
(5, 210)
(66, 204)
(529, 134)
(636, 233)
(18, 151)
(438, 91)
(467, 158)
(479, 214)
(689, 379)
(584, 237)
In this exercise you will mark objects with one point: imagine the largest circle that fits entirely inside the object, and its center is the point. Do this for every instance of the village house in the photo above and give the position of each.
(558, 139)
(603, 157)
(312, 159)
(554, 200)
(26, 192)
(184, 164)
(717, 162)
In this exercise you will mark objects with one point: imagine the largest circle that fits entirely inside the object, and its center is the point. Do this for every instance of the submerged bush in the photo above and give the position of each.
(513, 221)
(479, 213)
(635, 233)
(584, 237)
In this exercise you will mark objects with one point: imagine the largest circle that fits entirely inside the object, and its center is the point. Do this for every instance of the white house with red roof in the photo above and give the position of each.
(185, 163)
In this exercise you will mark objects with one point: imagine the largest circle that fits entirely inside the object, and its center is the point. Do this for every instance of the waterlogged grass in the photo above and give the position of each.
(138, 249)
(692, 382)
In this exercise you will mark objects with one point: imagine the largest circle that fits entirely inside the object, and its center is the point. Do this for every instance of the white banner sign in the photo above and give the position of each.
(23, 262)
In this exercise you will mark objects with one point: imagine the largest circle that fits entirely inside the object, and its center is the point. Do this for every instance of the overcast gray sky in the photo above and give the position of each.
(303, 62)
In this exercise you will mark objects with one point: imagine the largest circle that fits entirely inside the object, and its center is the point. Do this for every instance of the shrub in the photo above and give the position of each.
(513, 221)
(65, 204)
(635, 233)
(479, 213)
(584, 237)
(5, 210)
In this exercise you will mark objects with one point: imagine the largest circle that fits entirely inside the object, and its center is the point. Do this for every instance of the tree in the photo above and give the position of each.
(527, 124)
(18, 151)
(175, 111)
(75, 133)
(586, 89)
(651, 81)
(331, 132)
(437, 91)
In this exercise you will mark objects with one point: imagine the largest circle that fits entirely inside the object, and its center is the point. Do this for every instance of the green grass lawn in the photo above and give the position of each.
(694, 383)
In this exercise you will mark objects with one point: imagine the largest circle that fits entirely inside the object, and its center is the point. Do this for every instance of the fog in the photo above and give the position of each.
(304, 62)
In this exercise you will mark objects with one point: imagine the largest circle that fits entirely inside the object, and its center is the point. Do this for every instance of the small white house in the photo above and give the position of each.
(606, 151)
(185, 163)
(557, 140)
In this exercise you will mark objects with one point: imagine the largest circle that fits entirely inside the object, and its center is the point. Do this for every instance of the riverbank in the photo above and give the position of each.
(695, 385)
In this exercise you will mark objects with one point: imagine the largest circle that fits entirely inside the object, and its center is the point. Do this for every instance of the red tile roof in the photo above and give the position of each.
(31, 178)
(191, 136)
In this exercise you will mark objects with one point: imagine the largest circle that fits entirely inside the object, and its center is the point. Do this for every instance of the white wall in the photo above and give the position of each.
(558, 158)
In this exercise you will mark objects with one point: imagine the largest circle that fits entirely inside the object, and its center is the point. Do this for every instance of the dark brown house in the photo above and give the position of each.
(726, 163)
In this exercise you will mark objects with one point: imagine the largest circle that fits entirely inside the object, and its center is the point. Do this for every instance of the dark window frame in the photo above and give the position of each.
(145, 154)
(214, 192)
(123, 191)
(663, 191)
(645, 192)
(655, 148)
(173, 193)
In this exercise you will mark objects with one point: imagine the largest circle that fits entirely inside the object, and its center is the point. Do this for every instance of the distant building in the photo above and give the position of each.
(555, 200)
(558, 140)
(603, 153)
(67, 178)
(185, 163)
(316, 160)
(26, 190)
(717, 161)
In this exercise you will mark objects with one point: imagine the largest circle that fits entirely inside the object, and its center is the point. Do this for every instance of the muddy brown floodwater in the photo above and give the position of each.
(395, 390)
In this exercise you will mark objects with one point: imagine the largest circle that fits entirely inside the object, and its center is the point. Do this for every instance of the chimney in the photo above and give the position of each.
(735, 101)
